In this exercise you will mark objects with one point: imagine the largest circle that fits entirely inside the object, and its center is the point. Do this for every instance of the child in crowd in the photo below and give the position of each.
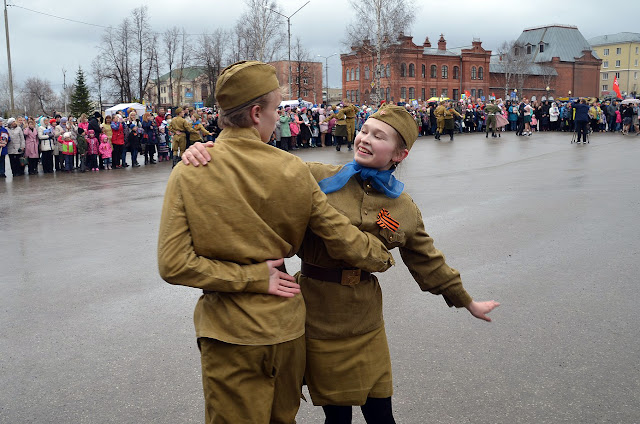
(105, 151)
(93, 150)
(82, 149)
(315, 133)
(68, 149)
(163, 147)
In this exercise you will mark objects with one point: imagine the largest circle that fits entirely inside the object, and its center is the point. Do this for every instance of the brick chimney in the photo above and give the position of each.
(442, 43)
(426, 43)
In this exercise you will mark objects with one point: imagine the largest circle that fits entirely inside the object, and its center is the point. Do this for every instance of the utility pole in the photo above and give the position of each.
(6, 29)
(64, 90)
(288, 18)
(326, 72)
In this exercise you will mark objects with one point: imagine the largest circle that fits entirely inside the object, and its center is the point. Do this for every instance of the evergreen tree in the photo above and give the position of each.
(80, 102)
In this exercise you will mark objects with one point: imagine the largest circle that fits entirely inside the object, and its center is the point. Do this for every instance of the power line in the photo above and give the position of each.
(81, 22)
(58, 17)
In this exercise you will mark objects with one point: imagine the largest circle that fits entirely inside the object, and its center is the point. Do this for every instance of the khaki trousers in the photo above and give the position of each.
(440, 122)
(252, 384)
(178, 141)
(491, 123)
(351, 129)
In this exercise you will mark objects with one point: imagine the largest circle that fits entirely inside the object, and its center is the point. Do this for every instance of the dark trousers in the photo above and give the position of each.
(150, 150)
(47, 162)
(68, 162)
(16, 168)
(58, 160)
(581, 128)
(375, 411)
(33, 166)
(92, 161)
(284, 143)
(612, 123)
(117, 154)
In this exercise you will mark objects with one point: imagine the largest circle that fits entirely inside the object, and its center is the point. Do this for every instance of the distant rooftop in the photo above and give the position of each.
(619, 38)
(563, 41)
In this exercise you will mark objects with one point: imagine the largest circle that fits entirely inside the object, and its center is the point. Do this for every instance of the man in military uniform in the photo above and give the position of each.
(491, 109)
(181, 129)
(221, 228)
(350, 116)
(341, 131)
(439, 112)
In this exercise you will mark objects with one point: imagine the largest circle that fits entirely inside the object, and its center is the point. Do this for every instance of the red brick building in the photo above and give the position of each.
(411, 71)
(559, 62)
(306, 79)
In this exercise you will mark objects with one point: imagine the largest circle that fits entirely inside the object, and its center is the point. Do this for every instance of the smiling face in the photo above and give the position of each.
(377, 145)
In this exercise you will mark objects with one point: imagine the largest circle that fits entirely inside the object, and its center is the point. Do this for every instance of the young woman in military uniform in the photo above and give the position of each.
(348, 361)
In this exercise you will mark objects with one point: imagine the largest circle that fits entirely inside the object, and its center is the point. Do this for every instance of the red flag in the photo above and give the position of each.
(493, 94)
(616, 87)
(466, 93)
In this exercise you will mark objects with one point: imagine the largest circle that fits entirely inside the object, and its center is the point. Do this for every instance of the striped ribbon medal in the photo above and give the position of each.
(385, 221)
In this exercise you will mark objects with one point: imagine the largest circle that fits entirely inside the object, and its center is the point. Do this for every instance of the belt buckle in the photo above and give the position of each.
(350, 277)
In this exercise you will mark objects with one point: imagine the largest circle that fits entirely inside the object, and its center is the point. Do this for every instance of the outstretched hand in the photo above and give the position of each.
(281, 283)
(197, 154)
(481, 309)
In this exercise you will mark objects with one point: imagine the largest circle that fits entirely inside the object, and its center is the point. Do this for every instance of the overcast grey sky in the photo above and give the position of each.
(42, 45)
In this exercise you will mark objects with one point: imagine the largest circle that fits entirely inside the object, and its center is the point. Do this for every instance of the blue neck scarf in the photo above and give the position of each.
(382, 181)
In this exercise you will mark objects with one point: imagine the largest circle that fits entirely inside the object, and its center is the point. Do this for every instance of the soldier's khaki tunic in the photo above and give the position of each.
(181, 127)
(350, 117)
(347, 353)
(219, 224)
(439, 113)
(341, 124)
(491, 111)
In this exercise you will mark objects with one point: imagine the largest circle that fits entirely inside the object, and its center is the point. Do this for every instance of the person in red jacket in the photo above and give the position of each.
(68, 149)
(117, 140)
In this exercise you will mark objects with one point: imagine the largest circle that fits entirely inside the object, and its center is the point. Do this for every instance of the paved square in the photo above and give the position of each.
(91, 334)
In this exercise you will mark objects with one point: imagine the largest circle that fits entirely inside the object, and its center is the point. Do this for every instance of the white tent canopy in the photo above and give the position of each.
(140, 108)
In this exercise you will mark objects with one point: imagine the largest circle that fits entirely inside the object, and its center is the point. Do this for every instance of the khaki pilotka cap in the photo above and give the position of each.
(242, 82)
(400, 120)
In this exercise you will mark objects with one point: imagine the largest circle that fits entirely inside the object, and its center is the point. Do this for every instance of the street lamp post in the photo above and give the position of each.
(288, 18)
(326, 72)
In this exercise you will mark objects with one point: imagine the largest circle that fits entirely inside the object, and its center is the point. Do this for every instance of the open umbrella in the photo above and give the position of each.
(437, 99)
(630, 101)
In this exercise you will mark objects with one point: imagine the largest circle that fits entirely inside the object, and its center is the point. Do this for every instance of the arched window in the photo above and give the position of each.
(424, 71)
(357, 96)
(403, 70)
(456, 72)
(403, 93)
(348, 74)
(434, 71)
(412, 93)
(358, 73)
(473, 72)
(388, 96)
(480, 73)
(481, 93)
(445, 72)
(412, 70)
(366, 72)
(388, 70)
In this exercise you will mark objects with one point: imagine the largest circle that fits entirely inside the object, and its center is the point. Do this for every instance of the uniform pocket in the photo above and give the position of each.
(391, 238)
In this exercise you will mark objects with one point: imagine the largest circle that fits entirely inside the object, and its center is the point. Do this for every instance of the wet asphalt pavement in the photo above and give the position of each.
(89, 333)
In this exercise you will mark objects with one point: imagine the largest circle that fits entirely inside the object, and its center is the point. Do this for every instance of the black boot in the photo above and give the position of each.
(176, 159)
(486, 135)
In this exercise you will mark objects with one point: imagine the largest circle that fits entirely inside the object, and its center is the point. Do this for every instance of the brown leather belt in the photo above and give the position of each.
(344, 276)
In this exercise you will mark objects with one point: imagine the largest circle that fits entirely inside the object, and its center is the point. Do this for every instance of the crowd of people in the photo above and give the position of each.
(95, 143)
(64, 143)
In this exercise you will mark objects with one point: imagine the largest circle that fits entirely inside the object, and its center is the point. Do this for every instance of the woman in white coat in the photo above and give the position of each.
(15, 147)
